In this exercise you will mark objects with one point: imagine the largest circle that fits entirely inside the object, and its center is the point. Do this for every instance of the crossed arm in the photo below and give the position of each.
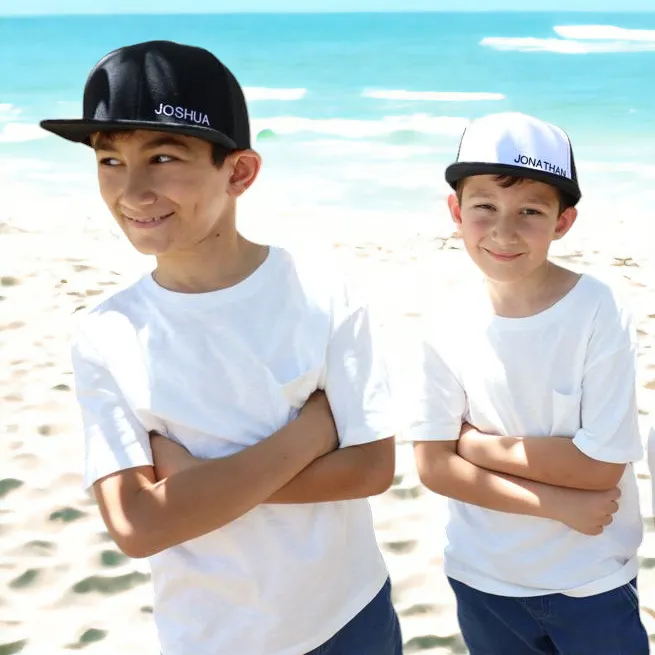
(548, 477)
(357, 471)
(148, 509)
(447, 472)
(551, 460)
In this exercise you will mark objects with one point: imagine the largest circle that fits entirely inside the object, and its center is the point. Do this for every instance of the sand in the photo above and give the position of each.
(64, 585)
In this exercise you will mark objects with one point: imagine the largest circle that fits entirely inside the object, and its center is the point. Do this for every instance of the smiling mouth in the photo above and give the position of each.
(148, 220)
(503, 256)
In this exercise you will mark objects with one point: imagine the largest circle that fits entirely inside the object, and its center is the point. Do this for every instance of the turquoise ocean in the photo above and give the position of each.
(361, 112)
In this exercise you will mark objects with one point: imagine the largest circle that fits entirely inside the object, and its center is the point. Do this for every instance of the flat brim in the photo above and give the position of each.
(80, 130)
(458, 171)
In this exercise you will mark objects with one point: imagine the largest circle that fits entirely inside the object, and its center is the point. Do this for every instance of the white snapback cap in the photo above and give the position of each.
(517, 145)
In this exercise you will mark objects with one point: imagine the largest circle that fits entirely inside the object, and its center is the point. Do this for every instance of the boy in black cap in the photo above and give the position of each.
(526, 417)
(252, 376)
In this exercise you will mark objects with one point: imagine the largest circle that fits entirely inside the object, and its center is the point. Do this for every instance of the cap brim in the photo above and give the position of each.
(80, 130)
(456, 172)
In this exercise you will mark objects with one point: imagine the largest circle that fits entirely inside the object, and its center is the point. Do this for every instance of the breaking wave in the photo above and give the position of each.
(438, 96)
(578, 40)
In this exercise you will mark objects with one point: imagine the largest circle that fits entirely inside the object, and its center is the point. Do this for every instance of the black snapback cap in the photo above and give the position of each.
(161, 86)
(516, 144)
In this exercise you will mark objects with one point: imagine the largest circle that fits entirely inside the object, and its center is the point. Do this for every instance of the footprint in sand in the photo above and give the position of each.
(110, 585)
(404, 493)
(111, 558)
(453, 645)
(67, 515)
(39, 547)
(9, 484)
(13, 647)
(420, 609)
(8, 281)
(400, 547)
(91, 636)
(25, 580)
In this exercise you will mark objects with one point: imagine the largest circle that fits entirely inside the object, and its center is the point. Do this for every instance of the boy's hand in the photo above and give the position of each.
(169, 456)
(317, 415)
(588, 512)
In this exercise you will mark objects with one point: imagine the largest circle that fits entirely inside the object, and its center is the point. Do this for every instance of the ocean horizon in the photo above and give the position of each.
(359, 111)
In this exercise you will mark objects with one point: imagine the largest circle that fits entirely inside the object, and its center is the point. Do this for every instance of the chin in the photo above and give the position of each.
(145, 248)
(507, 275)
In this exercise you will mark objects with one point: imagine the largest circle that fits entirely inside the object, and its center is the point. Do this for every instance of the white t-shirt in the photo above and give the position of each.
(567, 371)
(219, 372)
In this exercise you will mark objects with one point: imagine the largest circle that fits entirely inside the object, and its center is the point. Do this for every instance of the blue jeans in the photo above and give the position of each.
(374, 631)
(605, 624)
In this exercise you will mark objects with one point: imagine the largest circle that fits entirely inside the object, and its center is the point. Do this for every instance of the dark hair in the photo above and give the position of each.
(506, 181)
(220, 154)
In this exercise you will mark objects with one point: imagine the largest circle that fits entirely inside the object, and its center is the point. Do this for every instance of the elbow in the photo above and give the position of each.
(435, 462)
(139, 537)
(382, 480)
(432, 477)
(135, 545)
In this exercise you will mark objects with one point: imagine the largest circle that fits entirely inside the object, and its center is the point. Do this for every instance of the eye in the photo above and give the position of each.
(530, 211)
(162, 159)
(485, 206)
(109, 161)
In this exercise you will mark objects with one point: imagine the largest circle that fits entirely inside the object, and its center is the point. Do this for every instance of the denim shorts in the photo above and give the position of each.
(374, 631)
(555, 624)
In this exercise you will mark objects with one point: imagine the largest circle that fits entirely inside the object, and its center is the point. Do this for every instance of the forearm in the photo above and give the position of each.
(203, 498)
(551, 460)
(344, 474)
(456, 478)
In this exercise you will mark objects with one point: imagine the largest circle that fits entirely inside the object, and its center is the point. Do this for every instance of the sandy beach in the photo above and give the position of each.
(64, 584)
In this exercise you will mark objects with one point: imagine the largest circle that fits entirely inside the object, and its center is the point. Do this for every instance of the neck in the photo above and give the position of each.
(531, 295)
(218, 262)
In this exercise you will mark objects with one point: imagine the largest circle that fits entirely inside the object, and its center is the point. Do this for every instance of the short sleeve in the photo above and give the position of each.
(114, 439)
(356, 376)
(434, 400)
(609, 415)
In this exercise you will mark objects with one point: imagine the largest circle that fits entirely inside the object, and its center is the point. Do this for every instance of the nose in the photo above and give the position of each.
(504, 230)
(137, 193)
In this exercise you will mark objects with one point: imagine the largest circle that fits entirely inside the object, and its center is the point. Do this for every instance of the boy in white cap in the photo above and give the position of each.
(525, 415)
(261, 365)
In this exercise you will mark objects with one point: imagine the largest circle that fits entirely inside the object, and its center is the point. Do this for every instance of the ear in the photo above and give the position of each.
(565, 222)
(245, 168)
(455, 209)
